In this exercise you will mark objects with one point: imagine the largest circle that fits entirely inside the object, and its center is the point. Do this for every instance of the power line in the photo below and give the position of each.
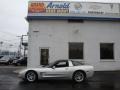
(8, 33)
(7, 44)
(9, 41)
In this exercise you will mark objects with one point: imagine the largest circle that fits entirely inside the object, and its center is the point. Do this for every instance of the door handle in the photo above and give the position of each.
(66, 68)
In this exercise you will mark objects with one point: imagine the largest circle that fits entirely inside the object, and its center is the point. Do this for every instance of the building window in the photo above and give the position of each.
(75, 50)
(106, 51)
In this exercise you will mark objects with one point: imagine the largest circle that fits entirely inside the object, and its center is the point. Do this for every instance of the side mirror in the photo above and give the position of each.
(53, 67)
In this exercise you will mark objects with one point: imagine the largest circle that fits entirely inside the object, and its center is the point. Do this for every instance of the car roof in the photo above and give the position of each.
(63, 60)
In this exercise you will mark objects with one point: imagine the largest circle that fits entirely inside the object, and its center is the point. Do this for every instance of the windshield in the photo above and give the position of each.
(5, 58)
(77, 63)
(49, 65)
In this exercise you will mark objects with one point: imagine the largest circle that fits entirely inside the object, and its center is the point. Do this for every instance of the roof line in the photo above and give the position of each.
(71, 17)
(74, 1)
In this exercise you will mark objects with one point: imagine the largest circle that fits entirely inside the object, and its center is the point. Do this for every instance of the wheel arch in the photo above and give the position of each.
(31, 71)
(79, 71)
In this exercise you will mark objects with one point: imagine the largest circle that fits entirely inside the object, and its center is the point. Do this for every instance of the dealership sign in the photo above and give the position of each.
(54, 8)
(49, 7)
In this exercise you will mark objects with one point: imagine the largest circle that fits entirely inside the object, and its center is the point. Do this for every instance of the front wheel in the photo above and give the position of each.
(79, 77)
(31, 76)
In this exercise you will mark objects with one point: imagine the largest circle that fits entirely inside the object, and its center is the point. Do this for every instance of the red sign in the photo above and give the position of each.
(36, 7)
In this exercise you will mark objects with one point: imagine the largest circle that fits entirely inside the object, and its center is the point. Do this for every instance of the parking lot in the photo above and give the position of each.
(101, 81)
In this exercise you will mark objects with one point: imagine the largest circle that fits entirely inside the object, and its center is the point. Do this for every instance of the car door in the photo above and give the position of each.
(59, 69)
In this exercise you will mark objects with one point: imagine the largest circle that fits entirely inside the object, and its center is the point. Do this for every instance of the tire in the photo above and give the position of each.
(31, 76)
(79, 76)
(18, 64)
(7, 63)
(15, 64)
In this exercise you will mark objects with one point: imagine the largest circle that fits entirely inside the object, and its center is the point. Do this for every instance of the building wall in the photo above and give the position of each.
(56, 35)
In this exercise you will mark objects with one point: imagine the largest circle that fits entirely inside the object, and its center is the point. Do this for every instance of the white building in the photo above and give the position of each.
(89, 32)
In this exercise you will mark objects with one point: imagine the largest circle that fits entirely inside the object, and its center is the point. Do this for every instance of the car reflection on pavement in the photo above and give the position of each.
(67, 84)
(100, 81)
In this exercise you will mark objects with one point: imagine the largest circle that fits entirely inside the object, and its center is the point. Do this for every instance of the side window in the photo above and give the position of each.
(61, 64)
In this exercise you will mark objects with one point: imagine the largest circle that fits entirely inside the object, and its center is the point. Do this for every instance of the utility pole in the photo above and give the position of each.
(1, 43)
(25, 44)
(20, 46)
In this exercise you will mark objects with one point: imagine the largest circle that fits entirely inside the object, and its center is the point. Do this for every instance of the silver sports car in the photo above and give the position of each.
(69, 69)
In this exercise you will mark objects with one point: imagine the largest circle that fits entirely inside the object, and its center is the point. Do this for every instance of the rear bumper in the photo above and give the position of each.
(21, 75)
(3, 62)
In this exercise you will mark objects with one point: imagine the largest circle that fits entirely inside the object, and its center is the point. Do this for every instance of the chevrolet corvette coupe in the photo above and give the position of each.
(68, 69)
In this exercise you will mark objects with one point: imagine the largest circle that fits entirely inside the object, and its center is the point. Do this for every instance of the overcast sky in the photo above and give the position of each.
(12, 19)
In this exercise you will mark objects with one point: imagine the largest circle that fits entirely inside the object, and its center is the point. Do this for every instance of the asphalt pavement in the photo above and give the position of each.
(107, 80)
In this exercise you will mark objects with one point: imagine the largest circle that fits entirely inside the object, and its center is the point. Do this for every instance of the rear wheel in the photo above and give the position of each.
(31, 76)
(18, 64)
(79, 76)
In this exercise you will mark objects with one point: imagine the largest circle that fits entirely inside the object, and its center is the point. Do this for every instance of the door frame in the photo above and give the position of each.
(40, 53)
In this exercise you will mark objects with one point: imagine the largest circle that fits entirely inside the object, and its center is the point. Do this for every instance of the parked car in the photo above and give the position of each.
(5, 60)
(69, 69)
(12, 59)
(15, 60)
(20, 61)
(1, 57)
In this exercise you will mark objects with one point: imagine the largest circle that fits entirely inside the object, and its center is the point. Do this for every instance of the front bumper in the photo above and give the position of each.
(89, 74)
(21, 74)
